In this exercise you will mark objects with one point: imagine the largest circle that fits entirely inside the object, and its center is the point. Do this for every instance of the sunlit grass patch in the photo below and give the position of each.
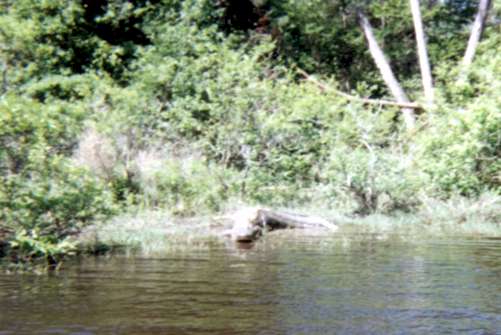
(456, 217)
(473, 217)
(153, 232)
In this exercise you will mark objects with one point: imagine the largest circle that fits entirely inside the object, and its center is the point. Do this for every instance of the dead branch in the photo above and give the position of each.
(380, 102)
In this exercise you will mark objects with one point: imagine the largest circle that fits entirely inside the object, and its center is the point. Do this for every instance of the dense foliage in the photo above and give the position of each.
(186, 105)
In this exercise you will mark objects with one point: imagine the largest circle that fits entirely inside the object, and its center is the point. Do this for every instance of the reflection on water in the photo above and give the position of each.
(305, 286)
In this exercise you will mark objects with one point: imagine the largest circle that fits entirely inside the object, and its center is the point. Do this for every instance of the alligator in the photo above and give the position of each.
(250, 223)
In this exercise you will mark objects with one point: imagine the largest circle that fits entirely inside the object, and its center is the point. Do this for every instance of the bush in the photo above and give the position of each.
(374, 180)
(184, 185)
(461, 149)
(40, 188)
(70, 37)
(28, 247)
(56, 198)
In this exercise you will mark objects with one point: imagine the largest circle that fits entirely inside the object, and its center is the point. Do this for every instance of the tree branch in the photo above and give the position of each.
(379, 102)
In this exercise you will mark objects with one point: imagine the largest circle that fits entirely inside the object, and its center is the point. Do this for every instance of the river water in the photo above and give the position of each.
(302, 285)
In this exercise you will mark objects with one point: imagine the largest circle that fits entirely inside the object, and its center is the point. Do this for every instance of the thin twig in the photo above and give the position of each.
(326, 88)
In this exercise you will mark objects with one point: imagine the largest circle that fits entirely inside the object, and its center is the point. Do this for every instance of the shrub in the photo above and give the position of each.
(40, 188)
(461, 149)
(30, 246)
(185, 186)
(70, 37)
(55, 198)
(371, 180)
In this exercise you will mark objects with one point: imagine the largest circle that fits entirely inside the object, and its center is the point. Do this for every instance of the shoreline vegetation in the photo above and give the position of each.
(140, 123)
(155, 233)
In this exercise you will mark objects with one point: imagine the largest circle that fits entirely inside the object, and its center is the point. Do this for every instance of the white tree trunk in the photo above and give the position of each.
(384, 68)
(424, 63)
(476, 32)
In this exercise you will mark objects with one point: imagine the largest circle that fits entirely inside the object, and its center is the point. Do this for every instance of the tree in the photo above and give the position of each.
(385, 69)
(476, 32)
(424, 63)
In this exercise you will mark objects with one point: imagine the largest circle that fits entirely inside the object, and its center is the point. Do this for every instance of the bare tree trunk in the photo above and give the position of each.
(476, 32)
(384, 68)
(424, 63)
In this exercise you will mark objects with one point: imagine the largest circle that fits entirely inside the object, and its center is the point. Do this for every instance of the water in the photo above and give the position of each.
(302, 285)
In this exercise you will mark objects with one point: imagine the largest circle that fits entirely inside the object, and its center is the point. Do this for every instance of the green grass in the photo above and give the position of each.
(152, 232)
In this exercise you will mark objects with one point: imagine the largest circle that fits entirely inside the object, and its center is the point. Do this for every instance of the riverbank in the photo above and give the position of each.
(157, 232)
(150, 233)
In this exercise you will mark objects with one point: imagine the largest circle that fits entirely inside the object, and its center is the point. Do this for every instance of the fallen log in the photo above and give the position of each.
(250, 223)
